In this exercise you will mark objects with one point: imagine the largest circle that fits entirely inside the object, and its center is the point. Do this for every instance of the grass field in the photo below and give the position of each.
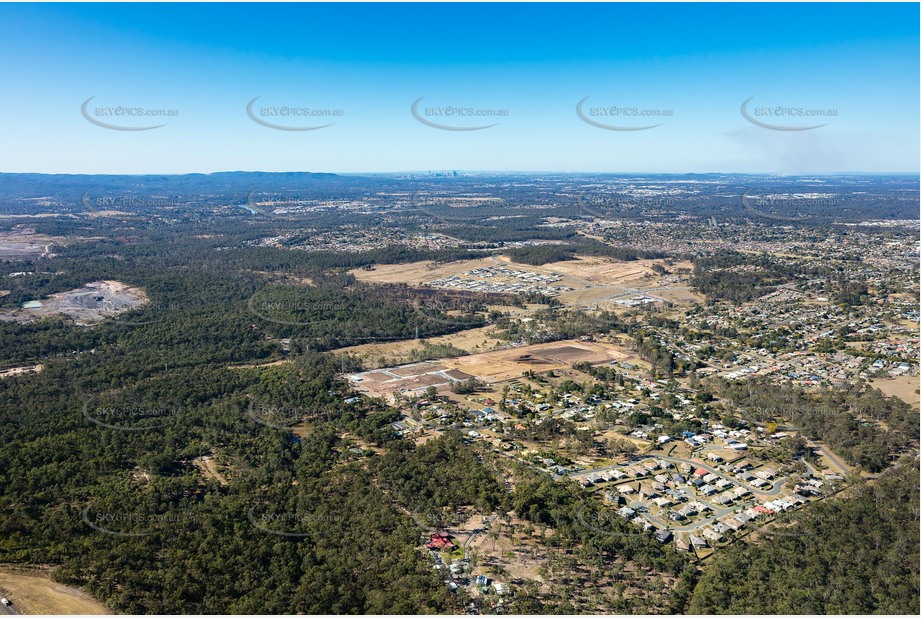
(903, 387)
(376, 355)
(32, 592)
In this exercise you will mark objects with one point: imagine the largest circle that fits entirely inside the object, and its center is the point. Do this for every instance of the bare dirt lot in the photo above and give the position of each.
(24, 244)
(505, 551)
(90, 304)
(394, 352)
(32, 592)
(15, 371)
(506, 364)
(206, 464)
(583, 270)
(489, 367)
(594, 281)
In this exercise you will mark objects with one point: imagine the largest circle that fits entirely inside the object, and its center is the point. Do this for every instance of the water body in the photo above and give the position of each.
(32, 304)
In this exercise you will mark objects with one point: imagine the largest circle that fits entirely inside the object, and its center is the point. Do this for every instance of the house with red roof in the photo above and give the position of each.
(440, 541)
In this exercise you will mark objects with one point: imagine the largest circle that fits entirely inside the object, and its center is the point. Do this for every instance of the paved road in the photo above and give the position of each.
(776, 489)
(9, 611)
(486, 522)
(626, 291)
(836, 461)
(718, 511)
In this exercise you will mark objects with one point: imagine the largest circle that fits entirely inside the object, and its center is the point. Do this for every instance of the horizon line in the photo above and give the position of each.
(460, 171)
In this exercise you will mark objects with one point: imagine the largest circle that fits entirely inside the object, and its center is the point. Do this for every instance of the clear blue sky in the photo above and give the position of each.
(538, 61)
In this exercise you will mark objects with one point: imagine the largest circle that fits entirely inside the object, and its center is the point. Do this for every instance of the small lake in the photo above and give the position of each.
(32, 304)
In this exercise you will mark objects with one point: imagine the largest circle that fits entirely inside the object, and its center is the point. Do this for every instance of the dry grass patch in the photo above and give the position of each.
(33, 592)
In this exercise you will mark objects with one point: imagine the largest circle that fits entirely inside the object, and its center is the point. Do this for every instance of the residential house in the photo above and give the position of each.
(441, 541)
(712, 535)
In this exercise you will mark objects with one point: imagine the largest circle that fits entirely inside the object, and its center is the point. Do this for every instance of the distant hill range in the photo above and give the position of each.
(31, 185)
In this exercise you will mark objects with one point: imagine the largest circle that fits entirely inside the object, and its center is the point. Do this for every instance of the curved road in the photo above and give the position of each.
(775, 489)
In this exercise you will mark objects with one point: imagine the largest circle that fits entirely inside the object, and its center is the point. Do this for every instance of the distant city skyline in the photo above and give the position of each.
(801, 89)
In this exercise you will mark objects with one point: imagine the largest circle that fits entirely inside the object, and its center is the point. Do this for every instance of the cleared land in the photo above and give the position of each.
(15, 371)
(90, 304)
(396, 352)
(206, 464)
(583, 271)
(593, 280)
(32, 592)
(490, 367)
(24, 245)
(903, 387)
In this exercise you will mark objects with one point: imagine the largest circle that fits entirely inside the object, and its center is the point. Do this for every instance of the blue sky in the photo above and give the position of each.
(694, 65)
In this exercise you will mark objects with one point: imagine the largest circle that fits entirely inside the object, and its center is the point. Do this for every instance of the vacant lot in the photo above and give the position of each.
(903, 387)
(581, 272)
(506, 364)
(206, 464)
(32, 592)
(24, 244)
(375, 355)
(490, 367)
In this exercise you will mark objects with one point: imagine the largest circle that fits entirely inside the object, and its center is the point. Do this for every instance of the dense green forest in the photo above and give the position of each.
(187, 544)
(537, 255)
(739, 277)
